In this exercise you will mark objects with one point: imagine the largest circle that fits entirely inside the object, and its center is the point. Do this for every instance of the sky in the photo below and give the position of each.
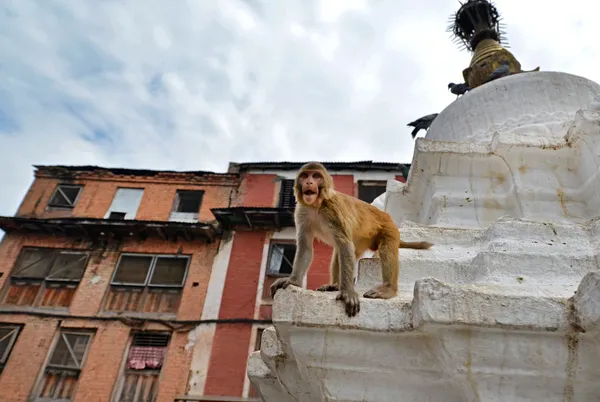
(195, 84)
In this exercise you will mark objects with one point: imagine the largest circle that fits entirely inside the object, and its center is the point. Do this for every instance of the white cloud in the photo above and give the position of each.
(196, 84)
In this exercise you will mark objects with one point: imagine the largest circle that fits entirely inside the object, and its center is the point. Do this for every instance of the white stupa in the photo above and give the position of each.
(506, 305)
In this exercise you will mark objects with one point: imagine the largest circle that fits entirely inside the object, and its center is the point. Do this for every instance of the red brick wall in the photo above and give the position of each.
(102, 367)
(227, 366)
(257, 190)
(109, 344)
(400, 178)
(97, 195)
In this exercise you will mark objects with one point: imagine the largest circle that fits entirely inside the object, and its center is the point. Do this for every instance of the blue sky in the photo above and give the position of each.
(195, 84)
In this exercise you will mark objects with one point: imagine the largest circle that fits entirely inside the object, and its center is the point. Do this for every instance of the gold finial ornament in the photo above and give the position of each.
(477, 27)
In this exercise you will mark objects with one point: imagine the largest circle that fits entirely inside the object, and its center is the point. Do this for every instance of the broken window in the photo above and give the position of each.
(65, 196)
(369, 190)
(63, 369)
(126, 203)
(146, 356)
(8, 337)
(187, 205)
(286, 194)
(281, 259)
(279, 263)
(45, 277)
(146, 283)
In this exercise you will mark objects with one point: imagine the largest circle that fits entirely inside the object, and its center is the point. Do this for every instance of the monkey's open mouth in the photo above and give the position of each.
(308, 192)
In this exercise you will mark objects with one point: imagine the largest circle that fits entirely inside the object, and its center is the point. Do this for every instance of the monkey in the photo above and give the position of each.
(350, 226)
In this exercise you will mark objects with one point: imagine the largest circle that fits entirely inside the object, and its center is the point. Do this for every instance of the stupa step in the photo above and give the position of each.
(457, 343)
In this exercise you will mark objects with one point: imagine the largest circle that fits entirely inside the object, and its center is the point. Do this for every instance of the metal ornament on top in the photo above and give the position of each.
(476, 27)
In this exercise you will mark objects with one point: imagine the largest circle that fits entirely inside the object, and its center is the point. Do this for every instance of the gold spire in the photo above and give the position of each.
(489, 55)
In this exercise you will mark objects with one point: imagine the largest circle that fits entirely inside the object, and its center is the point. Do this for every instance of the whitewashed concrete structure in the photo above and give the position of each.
(506, 305)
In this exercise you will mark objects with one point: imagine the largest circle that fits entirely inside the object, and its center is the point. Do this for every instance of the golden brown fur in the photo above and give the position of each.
(350, 226)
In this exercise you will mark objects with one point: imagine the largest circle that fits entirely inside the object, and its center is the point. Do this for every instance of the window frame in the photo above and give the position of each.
(272, 244)
(132, 212)
(45, 281)
(124, 371)
(61, 331)
(177, 201)
(65, 207)
(155, 258)
(18, 328)
(370, 183)
(144, 291)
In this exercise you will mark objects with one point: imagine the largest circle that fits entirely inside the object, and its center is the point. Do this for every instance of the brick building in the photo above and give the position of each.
(120, 284)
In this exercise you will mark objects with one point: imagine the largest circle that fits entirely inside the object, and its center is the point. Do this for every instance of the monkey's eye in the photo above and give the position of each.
(317, 175)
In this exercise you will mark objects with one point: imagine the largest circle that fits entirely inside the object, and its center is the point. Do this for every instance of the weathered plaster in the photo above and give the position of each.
(505, 306)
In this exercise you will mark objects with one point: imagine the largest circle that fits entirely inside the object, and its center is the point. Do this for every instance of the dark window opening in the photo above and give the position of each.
(64, 196)
(117, 216)
(188, 201)
(369, 190)
(281, 259)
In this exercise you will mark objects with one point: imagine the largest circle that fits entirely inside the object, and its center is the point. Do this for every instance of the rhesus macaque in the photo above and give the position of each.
(350, 226)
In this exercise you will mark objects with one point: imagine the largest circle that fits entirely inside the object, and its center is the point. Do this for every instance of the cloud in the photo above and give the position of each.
(196, 84)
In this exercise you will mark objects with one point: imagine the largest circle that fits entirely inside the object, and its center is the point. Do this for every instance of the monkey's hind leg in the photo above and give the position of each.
(388, 256)
(334, 273)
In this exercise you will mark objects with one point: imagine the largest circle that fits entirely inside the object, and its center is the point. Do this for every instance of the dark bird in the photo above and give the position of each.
(422, 123)
(458, 89)
(502, 71)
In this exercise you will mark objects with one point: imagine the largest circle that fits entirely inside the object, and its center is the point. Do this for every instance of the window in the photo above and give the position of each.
(144, 283)
(187, 205)
(45, 277)
(286, 194)
(8, 336)
(279, 263)
(126, 202)
(64, 366)
(142, 368)
(65, 196)
(253, 392)
(117, 216)
(369, 190)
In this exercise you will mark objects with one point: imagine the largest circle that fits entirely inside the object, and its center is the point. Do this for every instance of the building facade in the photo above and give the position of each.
(261, 249)
(139, 285)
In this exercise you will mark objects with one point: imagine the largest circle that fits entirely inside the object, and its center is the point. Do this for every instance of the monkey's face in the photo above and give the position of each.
(310, 184)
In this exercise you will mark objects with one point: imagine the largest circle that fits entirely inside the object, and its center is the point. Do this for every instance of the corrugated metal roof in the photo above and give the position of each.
(235, 167)
(122, 171)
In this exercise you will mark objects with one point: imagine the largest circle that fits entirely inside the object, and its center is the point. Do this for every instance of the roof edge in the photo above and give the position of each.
(236, 167)
(91, 169)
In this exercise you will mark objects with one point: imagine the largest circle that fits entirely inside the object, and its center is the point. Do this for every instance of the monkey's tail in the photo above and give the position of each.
(419, 245)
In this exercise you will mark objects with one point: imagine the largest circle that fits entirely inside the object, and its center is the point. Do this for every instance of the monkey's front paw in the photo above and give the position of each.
(281, 283)
(350, 299)
(328, 288)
